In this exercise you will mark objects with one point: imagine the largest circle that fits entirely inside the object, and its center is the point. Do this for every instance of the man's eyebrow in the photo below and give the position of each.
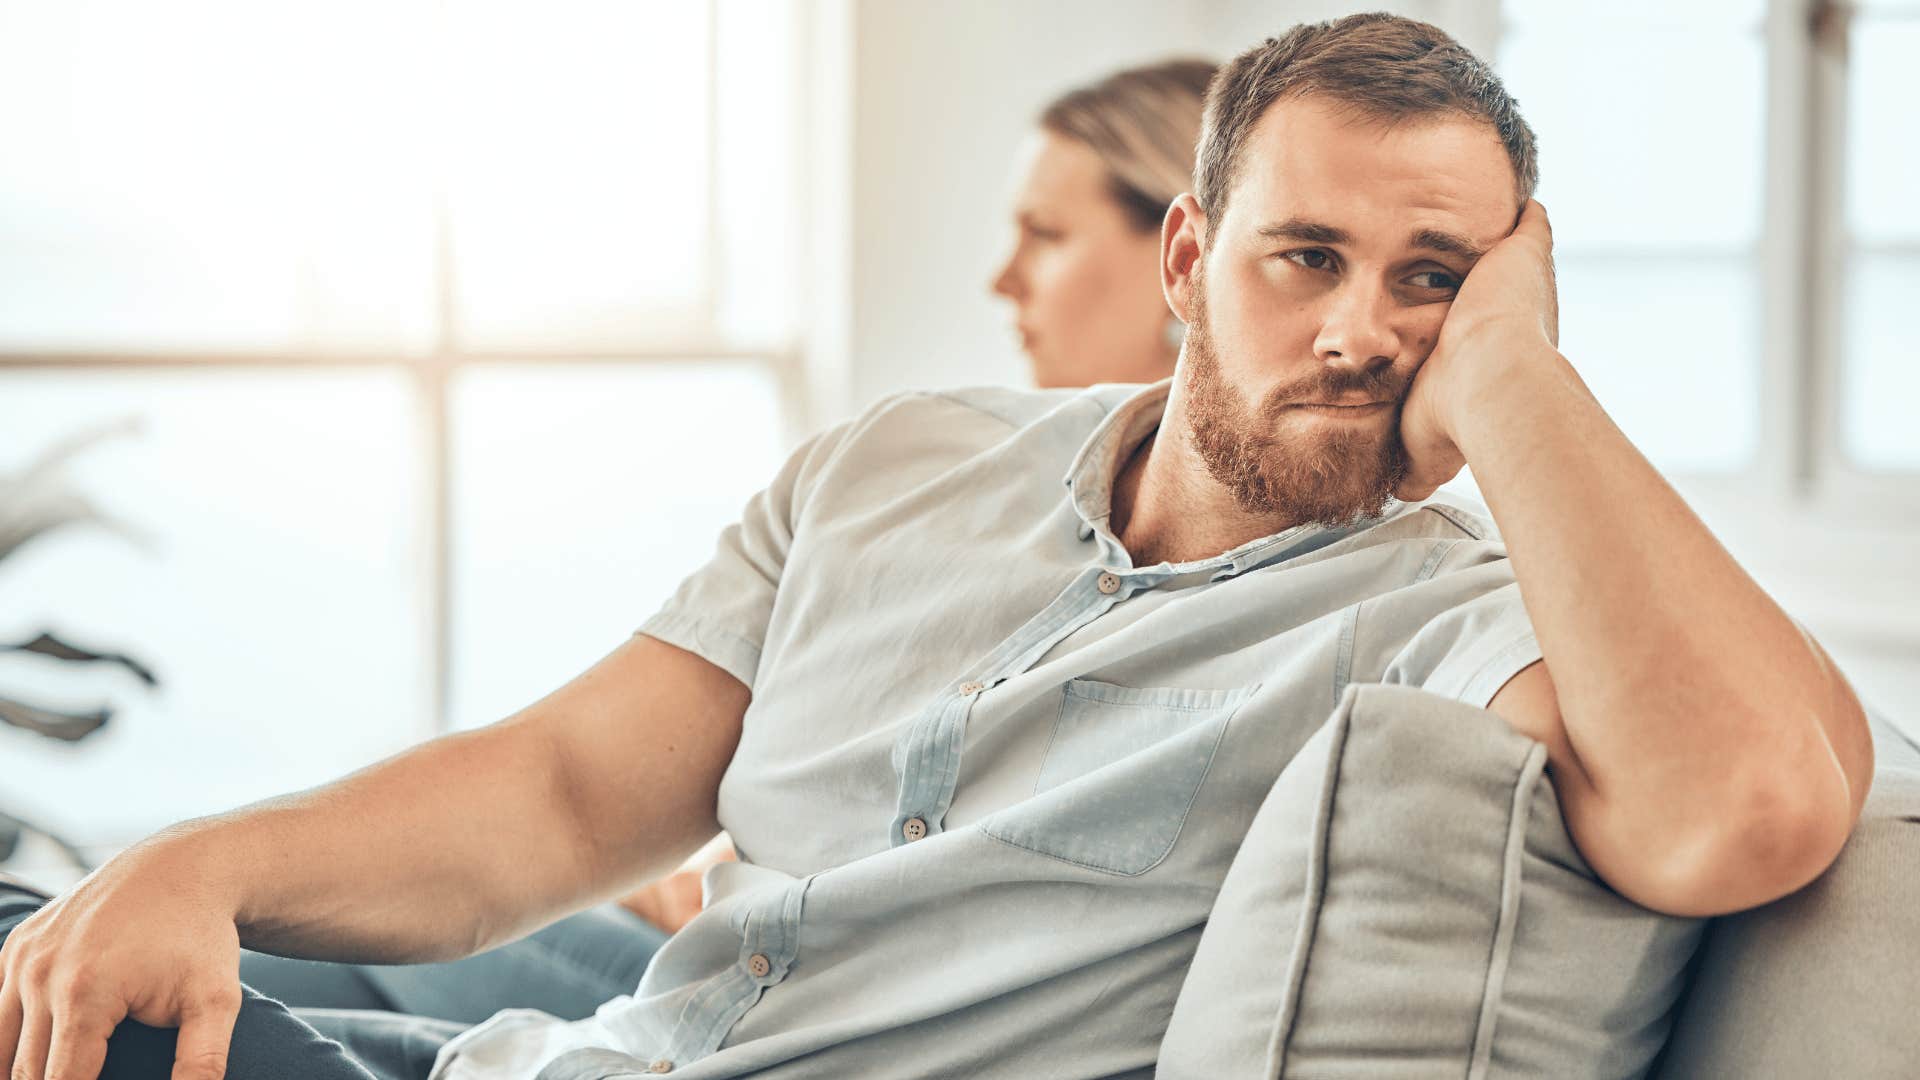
(1448, 243)
(1312, 232)
(1306, 232)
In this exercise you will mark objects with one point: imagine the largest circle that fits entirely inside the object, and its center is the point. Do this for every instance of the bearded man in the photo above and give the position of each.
(987, 685)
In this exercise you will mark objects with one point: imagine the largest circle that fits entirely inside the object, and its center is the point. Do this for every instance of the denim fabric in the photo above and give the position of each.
(993, 772)
(272, 1042)
(566, 970)
(391, 1045)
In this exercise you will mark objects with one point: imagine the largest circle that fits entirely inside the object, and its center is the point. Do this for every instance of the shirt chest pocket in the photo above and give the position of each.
(1122, 768)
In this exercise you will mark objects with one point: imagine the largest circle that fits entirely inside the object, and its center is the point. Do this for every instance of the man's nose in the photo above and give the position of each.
(1358, 330)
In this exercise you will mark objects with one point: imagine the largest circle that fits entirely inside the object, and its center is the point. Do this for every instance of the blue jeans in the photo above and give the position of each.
(566, 969)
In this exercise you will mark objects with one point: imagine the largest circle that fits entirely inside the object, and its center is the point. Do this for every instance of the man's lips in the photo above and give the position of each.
(1350, 402)
(1354, 412)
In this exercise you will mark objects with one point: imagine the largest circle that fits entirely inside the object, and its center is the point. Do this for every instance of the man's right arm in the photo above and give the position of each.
(459, 844)
(476, 838)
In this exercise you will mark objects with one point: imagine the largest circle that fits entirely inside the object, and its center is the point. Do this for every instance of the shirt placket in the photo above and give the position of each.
(927, 756)
(769, 929)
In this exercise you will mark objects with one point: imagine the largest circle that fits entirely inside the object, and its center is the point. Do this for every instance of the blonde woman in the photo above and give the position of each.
(1083, 274)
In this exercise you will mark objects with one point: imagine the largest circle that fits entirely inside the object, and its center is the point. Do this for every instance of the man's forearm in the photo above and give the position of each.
(1683, 688)
(446, 849)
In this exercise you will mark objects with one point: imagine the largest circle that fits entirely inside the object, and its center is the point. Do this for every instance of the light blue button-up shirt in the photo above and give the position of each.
(993, 773)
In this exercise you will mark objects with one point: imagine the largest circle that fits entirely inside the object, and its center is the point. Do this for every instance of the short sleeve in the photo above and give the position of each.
(721, 612)
(1480, 638)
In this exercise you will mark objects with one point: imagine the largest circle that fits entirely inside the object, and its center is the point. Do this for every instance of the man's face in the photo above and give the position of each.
(1326, 281)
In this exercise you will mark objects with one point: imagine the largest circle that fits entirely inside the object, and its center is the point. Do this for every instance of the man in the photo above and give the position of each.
(987, 741)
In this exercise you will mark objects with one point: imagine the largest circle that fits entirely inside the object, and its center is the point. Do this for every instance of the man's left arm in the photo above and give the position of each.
(1708, 755)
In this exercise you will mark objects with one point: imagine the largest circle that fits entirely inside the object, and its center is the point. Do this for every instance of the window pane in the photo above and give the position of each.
(1670, 348)
(758, 188)
(583, 495)
(273, 590)
(1883, 132)
(1655, 214)
(1626, 162)
(204, 175)
(1881, 380)
(580, 184)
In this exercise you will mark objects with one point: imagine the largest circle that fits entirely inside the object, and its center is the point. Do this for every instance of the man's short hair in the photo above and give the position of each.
(1383, 67)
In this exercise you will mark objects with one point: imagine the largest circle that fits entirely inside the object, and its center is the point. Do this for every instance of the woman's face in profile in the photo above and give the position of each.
(1084, 281)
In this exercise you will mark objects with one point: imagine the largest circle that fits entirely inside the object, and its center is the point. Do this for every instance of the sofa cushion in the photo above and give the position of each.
(1407, 903)
(1825, 982)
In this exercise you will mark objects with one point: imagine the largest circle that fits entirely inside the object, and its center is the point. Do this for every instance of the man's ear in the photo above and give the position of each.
(1181, 233)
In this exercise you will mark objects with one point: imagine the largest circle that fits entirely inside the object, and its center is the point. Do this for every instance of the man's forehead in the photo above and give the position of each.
(1441, 182)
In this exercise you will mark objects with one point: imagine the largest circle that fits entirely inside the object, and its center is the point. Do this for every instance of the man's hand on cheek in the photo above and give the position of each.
(1505, 308)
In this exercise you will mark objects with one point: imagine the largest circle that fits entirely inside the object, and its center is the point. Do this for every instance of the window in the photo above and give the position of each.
(592, 481)
(1656, 211)
(1880, 237)
(259, 557)
(1732, 187)
(421, 309)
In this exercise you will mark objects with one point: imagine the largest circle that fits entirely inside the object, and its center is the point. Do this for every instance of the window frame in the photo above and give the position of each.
(1827, 30)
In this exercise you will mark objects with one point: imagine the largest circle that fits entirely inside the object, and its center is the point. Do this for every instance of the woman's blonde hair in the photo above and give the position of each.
(1144, 122)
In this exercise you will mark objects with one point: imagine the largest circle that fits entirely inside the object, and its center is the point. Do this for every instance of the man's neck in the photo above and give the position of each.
(1168, 508)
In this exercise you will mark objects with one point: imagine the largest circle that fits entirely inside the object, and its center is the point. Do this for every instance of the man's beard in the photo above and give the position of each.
(1273, 464)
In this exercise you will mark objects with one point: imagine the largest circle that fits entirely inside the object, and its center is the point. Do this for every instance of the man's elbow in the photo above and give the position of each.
(1787, 836)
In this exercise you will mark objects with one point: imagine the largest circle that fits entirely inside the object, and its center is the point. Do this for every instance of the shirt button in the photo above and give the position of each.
(1109, 584)
(914, 829)
(972, 687)
(758, 966)
(661, 1066)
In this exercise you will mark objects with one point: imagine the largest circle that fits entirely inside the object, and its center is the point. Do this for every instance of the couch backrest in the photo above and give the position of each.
(1825, 982)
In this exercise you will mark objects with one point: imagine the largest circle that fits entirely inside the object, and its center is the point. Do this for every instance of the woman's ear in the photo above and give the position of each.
(1181, 234)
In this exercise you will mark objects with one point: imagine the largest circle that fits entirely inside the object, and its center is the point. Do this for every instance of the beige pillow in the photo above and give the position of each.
(1407, 903)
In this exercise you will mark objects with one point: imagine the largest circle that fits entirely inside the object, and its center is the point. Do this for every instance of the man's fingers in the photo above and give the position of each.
(30, 1057)
(206, 1031)
(79, 1045)
(1533, 220)
(76, 1056)
(9, 1023)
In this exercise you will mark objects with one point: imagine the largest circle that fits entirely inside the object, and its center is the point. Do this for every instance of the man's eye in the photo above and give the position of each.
(1438, 279)
(1311, 258)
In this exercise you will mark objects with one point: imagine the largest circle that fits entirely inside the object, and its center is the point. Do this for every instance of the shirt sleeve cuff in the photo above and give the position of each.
(1506, 662)
(731, 653)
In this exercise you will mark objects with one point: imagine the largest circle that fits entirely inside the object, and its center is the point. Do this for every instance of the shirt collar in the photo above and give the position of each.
(1114, 439)
(1108, 447)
